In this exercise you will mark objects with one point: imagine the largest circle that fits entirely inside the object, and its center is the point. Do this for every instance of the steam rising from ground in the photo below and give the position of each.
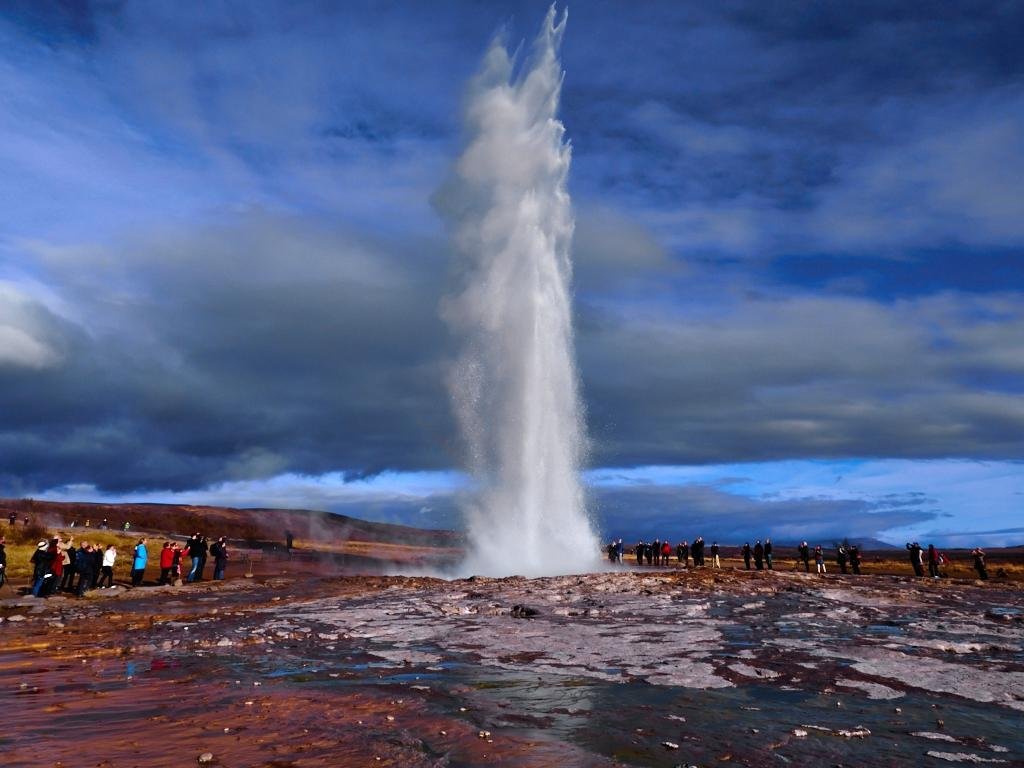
(515, 387)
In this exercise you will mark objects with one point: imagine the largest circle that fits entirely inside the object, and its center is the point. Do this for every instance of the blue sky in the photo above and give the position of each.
(798, 249)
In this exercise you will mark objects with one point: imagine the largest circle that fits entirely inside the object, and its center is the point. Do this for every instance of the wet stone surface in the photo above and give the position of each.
(605, 669)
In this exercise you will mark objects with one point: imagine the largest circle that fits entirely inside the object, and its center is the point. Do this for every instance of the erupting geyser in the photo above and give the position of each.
(515, 387)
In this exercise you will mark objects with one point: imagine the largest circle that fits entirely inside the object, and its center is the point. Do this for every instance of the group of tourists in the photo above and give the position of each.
(934, 559)
(847, 557)
(60, 566)
(761, 553)
(660, 552)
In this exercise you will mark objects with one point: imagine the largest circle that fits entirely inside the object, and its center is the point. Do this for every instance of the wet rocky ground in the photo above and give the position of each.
(636, 667)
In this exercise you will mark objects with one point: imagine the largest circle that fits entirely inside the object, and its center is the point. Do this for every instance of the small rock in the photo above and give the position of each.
(800, 733)
(669, 745)
(206, 757)
(16, 617)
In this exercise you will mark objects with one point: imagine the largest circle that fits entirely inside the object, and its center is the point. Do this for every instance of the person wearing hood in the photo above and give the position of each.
(745, 551)
(639, 551)
(759, 555)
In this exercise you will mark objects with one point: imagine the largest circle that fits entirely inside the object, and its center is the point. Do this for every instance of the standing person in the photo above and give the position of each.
(176, 562)
(639, 553)
(40, 568)
(657, 551)
(56, 567)
(139, 563)
(666, 551)
(220, 558)
(204, 551)
(979, 563)
(933, 561)
(759, 555)
(915, 558)
(85, 570)
(12, 519)
(745, 551)
(70, 557)
(3, 561)
(683, 553)
(855, 559)
(107, 567)
(166, 562)
(618, 551)
(805, 556)
(192, 550)
(715, 560)
(768, 553)
(97, 565)
(841, 557)
(819, 559)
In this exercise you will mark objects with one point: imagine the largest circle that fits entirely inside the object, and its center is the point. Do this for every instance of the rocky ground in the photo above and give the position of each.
(635, 667)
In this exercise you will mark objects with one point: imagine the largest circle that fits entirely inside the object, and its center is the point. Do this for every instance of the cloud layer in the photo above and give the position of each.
(220, 259)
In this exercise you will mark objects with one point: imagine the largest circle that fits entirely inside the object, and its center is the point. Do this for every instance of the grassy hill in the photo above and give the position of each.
(252, 525)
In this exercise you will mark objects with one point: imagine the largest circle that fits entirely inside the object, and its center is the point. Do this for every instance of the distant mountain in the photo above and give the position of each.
(256, 524)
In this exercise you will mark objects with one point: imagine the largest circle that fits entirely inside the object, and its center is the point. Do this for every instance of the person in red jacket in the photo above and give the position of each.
(166, 562)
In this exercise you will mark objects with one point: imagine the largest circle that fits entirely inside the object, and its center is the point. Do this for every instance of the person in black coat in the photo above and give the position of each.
(841, 557)
(805, 555)
(85, 559)
(639, 553)
(759, 555)
(855, 559)
(745, 551)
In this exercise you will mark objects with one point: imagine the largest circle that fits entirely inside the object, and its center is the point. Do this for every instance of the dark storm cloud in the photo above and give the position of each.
(254, 347)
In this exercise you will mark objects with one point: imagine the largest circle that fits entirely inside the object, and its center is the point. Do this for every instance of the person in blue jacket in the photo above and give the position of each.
(139, 563)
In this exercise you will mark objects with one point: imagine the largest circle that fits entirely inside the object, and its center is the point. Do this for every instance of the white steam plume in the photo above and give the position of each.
(515, 387)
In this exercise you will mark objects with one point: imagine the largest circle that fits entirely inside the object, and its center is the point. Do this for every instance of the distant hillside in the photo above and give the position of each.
(252, 524)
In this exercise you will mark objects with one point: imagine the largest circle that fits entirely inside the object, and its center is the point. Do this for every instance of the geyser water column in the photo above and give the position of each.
(515, 388)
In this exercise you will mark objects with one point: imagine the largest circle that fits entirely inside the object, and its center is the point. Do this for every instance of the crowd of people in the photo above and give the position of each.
(847, 557)
(58, 565)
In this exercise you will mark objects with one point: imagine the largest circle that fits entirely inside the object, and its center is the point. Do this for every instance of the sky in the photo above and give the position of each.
(799, 293)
